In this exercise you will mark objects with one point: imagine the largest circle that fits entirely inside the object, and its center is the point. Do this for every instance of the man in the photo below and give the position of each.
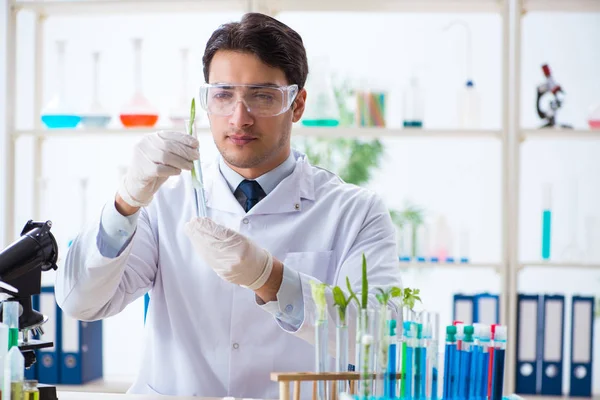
(230, 293)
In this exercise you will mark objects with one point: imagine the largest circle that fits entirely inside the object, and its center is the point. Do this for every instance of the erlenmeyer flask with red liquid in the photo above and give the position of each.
(139, 112)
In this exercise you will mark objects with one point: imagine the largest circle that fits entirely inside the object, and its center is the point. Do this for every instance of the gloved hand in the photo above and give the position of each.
(156, 157)
(231, 255)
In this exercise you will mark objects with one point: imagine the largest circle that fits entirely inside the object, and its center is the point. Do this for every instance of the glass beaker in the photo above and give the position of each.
(139, 112)
(96, 116)
(57, 114)
(321, 104)
(594, 117)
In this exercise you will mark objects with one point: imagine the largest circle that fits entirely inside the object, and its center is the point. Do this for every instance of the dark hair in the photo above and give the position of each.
(273, 42)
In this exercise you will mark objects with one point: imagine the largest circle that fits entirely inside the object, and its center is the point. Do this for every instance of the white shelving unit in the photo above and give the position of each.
(348, 132)
(510, 136)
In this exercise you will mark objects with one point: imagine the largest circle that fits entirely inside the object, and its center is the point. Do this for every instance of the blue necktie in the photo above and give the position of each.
(253, 192)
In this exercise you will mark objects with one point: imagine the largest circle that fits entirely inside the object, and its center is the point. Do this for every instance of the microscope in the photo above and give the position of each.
(553, 89)
(21, 266)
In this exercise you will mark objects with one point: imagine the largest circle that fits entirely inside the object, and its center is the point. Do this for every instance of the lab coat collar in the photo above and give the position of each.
(286, 197)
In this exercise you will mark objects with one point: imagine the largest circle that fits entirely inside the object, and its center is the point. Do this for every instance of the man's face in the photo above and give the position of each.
(244, 140)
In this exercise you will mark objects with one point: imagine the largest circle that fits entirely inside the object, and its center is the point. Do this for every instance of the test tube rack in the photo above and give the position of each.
(285, 379)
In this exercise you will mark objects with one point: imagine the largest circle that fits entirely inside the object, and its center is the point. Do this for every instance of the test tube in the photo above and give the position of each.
(499, 353)
(341, 349)
(408, 316)
(546, 220)
(197, 178)
(10, 317)
(465, 363)
(368, 348)
(449, 372)
(485, 336)
(390, 383)
(382, 348)
(431, 337)
(321, 355)
(475, 369)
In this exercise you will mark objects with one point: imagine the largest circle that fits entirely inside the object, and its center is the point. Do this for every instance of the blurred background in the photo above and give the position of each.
(436, 105)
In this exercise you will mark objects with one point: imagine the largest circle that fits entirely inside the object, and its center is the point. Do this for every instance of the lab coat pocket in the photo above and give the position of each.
(319, 264)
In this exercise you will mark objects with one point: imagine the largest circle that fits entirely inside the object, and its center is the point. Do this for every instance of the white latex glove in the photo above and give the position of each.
(156, 157)
(231, 255)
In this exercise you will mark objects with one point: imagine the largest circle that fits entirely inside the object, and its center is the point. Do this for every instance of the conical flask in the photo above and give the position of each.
(181, 111)
(139, 112)
(321, 105)
(96, 116)
(57, 114)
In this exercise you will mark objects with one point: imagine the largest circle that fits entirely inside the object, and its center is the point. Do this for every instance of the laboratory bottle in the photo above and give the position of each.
(181, 111)
(96, 116)
(469, 106)
(57, 113)
(139, 112)
(321, 104)
(413, 107)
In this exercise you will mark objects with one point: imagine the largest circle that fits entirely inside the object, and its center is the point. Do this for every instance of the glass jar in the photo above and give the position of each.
(30, 390)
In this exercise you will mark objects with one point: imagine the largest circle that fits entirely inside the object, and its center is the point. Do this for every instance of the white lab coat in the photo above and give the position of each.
(205, 336)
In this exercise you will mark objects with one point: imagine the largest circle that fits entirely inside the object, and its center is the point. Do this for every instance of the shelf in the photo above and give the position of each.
(105, 385)
(560, 133)
(349, 132)
(436, 6)
(430, 265)
(79, 7)
(558, 264)
(561, 5)
(95, 7)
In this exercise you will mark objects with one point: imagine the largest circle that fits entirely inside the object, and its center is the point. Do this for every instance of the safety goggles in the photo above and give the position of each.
(259, 100)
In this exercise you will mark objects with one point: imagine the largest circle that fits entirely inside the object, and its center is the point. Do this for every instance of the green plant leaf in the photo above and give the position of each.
(395, 292)
(192, 114)
(338, 297)
(191, 129)
(352, 294)
(318, 294)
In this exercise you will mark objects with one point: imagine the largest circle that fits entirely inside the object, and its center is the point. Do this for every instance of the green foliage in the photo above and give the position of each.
(412, 216)
(341, 302)
(191, 128)
(352, 159)
(410, 297)
(318, 294)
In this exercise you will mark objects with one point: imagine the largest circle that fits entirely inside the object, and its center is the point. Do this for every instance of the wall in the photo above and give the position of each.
(460, 179)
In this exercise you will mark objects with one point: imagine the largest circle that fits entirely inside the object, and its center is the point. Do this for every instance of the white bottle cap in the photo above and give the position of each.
(501, 333)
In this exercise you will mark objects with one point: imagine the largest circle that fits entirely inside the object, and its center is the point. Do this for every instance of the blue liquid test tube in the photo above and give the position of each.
(484, 359)
(409, 333)
(499, 354)
(390, 377)
(449, 352)
(464, 381)
(475, 368)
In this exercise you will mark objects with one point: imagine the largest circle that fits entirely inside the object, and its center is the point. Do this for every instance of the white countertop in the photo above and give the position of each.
(122, 396)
